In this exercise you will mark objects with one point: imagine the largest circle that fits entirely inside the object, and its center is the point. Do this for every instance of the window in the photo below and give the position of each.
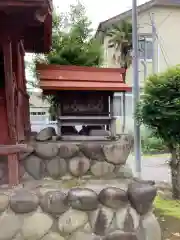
(33, 113)
(37, 113)
(118, 105)
(145, 48)
(38, 116)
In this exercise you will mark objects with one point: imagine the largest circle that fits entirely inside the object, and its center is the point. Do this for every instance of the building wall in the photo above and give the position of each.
(167, 22)
(166, 48)
(39, 114)
(39, 108)
(167, 42)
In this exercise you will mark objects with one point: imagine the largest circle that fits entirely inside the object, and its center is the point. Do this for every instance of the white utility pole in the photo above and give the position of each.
(136, 89)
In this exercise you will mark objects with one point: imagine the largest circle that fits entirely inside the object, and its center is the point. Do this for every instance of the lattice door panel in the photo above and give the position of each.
(85, 104)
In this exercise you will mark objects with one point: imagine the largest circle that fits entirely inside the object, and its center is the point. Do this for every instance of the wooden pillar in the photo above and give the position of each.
(27, 125)
(17, 79)
(113, 120)
(13, 164)
(59, 114)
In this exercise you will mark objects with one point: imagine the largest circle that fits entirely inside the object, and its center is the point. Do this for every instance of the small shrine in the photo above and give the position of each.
(84, 96)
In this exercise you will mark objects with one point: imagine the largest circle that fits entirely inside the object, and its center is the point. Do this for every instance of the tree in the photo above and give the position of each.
(159, 110)
(72, 43)
(121, 40)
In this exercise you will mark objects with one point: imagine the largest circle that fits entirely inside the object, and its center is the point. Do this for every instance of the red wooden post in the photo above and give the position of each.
(13, 169)
(13, 164)
(25, 96)
(18, 73)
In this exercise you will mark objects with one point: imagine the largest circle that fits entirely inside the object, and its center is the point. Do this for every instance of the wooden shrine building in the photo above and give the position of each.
(25, 27)
(84, 95)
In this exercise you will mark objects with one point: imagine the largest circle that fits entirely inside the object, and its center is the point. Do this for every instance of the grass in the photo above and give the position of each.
(168, 215)
(166, 155)
(168, 207)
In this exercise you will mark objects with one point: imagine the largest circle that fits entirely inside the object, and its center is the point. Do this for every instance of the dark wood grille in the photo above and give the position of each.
(84, 104)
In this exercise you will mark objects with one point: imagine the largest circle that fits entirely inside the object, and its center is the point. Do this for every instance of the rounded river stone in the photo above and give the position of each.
(100, 220)
(102, 169)
(118, 152)
(124, 171)
(93, 151)
(46, 134)
(23, 201)
(56, 168)
(72, 220)
(4, 202)
(132, 220)
(54, 202)
(83, 199)
(150, 227)
(113, 197)
(46, 150)
(34, 166)
(79, 166)
(36, 226)
(68, 150)
(10, 225)
(141, 196)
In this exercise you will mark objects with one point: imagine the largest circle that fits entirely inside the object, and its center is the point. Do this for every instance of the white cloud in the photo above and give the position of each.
(99, 10)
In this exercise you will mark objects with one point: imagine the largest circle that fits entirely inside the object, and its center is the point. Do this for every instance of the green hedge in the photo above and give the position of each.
(151, 144)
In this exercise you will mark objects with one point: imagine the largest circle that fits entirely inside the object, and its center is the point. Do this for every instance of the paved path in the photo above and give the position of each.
(153, 167)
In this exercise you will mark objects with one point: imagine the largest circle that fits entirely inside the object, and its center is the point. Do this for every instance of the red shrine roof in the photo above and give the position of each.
(59, 77)
(37, 35)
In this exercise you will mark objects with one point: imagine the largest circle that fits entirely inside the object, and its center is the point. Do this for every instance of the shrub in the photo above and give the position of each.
(153, 145)
(159, 110)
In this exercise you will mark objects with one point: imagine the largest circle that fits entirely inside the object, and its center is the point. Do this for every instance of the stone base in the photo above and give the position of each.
(59, 159)
(95, 210)
(77, 191)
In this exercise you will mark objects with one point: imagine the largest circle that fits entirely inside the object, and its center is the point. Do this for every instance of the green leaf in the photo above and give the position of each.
(121, 40)
(159, 107)
(72, 43)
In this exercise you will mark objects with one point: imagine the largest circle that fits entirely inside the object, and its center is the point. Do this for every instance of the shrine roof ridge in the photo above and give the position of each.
(43, 66)
(82, 78)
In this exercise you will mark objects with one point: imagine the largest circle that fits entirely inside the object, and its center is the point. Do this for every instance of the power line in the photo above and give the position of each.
(165, 56)
(160, 40)
(158, 25)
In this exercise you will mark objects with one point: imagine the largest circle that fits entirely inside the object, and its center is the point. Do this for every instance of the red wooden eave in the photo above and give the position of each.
(25, 3)
(42, 33)
(58, 77)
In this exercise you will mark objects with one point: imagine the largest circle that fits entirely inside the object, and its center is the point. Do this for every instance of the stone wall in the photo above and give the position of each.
(108, 213)
(59, 160)
(77, 191)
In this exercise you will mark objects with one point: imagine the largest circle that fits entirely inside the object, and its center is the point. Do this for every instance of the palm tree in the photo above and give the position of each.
(121, 41)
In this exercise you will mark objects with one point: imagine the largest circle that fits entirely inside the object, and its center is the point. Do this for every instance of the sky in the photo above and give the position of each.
(99, 10)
